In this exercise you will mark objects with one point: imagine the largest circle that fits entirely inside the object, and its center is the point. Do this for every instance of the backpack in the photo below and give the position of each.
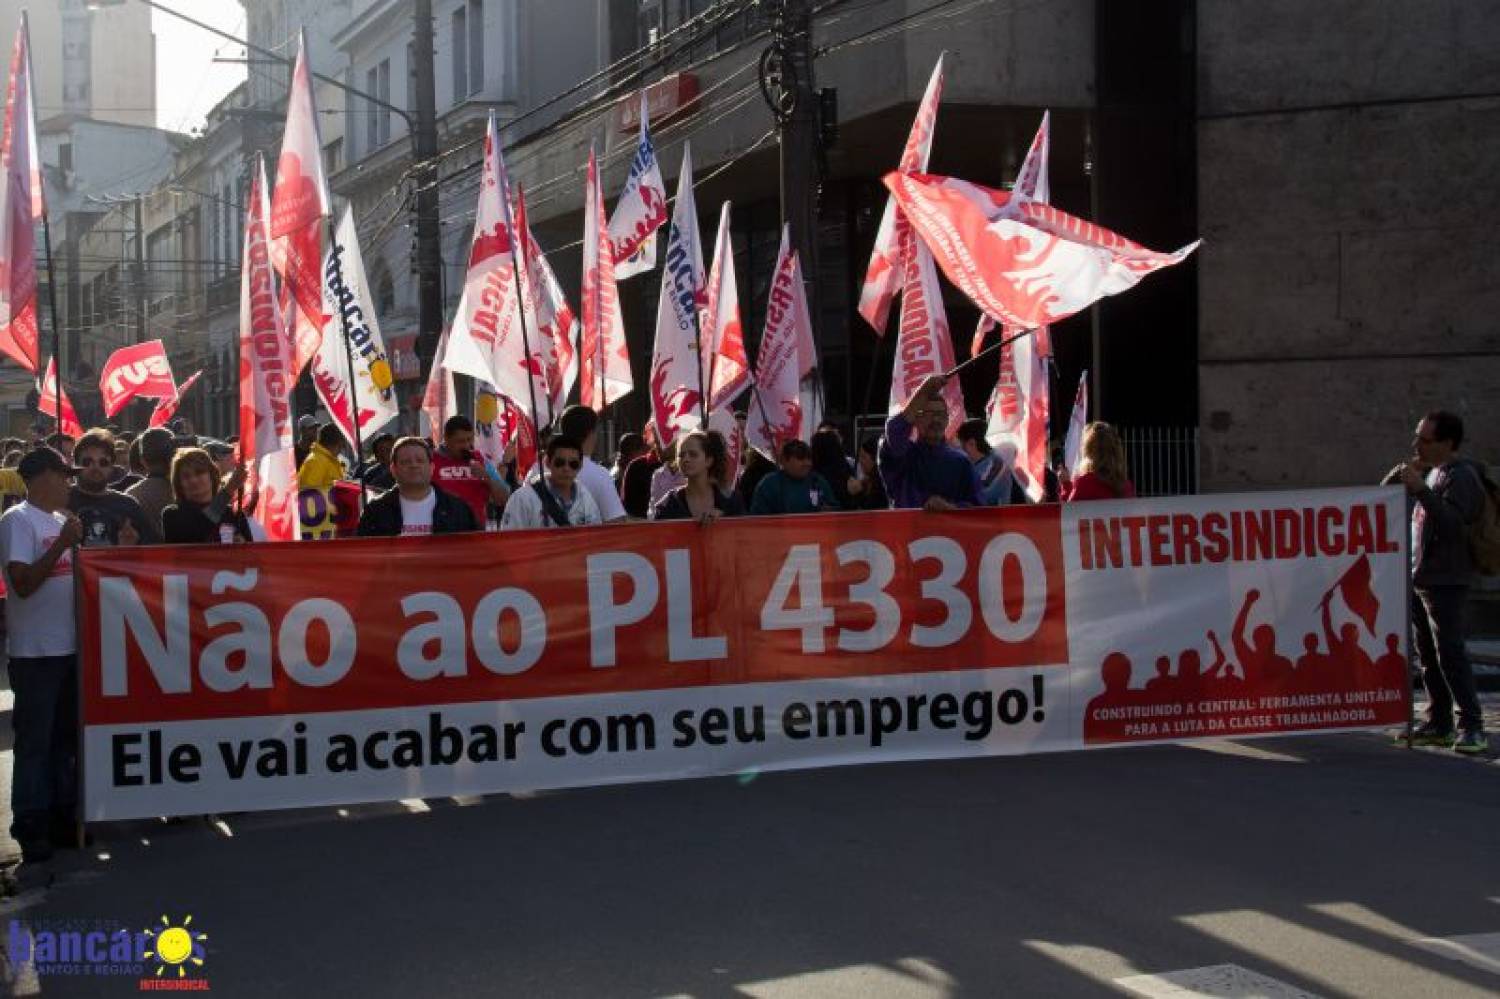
(1484, 532)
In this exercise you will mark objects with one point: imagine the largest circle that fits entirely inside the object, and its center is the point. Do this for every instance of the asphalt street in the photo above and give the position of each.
(1327, 865)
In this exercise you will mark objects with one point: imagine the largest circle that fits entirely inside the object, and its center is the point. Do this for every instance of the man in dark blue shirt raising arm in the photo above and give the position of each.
(927, 471)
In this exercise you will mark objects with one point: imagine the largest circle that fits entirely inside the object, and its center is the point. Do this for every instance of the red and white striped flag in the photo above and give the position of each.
(605, 359)
(300, 207)
(676, 385)
(21, 208)
(728, 371)
(267, 377)
(886, 274)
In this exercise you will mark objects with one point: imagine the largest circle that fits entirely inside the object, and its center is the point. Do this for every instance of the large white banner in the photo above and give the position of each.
(383, 669)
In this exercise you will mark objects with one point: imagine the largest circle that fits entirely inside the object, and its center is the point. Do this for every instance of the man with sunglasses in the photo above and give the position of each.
(109, 517)
(555, 499)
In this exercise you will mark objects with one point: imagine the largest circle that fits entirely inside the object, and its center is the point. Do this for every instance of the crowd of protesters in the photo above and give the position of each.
(166, 486)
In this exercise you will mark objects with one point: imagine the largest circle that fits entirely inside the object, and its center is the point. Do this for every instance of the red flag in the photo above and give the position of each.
(605, 373)
(439, 401)
(883, 279)
(21, 208)
(51, 393)
(728, 371)
(1018, 414)
(299, 207)
(1358, 593)
(141, 369)
(167, 408)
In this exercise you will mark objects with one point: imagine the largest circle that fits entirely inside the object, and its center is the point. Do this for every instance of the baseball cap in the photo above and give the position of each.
(44, 459)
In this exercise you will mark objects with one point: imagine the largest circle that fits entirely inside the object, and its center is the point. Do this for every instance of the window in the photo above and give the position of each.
(460, 54)
(468, 49)
(378, 85)
(476, 46)
(333, 156)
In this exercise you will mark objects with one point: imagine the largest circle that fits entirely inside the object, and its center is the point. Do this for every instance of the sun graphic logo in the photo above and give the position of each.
(175, 947)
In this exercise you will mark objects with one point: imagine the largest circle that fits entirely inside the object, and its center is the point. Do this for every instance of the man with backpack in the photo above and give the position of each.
(556, 499)
(1450, 499)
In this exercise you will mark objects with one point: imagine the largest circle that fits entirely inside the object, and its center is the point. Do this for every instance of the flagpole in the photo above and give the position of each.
(986, 352)
(46, 231)
(515, 238)
(359, 447)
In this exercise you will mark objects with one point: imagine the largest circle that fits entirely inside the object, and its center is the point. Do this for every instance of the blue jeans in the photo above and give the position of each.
(44, 778)
(1438, 616)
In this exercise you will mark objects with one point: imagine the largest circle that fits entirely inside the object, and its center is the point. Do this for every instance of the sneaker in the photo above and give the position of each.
(1430, 734)
(1472, 742)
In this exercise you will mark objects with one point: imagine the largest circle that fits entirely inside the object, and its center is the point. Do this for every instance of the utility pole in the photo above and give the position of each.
(140, 273)
(786, 81)
(424, 150)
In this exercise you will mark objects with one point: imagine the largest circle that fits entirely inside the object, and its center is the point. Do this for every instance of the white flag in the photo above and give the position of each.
(676, 385)
(641, 210)
(486, 342)
(346, 298)
(605, 359)
(776, 411)
(728, 368)
(1073, 448)
(1018, 414)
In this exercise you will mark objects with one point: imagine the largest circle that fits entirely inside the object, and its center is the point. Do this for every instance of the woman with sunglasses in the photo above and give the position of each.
(703, 460)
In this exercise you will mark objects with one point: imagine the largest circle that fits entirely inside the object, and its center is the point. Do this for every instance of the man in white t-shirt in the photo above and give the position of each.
(582, 424)
(416, 507)
(556, 499)
(37, 541)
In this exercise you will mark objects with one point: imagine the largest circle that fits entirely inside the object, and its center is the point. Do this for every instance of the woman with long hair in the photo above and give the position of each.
(1102, 472)
(705, 496)
(866, 490)
(203, 512)
(830, 462)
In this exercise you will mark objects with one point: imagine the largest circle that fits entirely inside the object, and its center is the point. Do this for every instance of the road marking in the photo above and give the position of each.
(1481, 950)
(1226, 747)
(906, 978)
(1217, 981)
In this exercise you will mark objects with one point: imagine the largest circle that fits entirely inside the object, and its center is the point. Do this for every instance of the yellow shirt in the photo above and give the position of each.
(320, 470)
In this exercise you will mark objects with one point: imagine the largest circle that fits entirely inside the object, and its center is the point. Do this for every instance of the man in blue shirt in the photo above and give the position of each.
(926, 472)
(795, 488)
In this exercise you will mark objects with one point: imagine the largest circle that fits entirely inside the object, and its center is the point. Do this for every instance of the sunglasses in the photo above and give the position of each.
(572, 463)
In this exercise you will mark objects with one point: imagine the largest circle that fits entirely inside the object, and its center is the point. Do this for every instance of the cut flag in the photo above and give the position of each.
(676, 386)
(138, 370)
(21, 208)
(267, 377)
(346, 299)
(641, 210)
(300, 207)
(439, 400)
(167, 408)
(605, 359)
(728, 371)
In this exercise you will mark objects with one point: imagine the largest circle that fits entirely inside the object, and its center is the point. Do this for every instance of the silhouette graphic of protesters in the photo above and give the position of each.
(1115, 671)
(1161, 683)
(1261, 662)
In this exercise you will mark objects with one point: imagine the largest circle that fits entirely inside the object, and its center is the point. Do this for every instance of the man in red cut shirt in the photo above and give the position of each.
(458, 470)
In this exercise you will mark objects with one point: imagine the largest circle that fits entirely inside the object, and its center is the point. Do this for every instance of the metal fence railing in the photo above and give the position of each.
(1163, 461)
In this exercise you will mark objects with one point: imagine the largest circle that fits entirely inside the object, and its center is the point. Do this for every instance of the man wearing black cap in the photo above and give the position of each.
(37, 537)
